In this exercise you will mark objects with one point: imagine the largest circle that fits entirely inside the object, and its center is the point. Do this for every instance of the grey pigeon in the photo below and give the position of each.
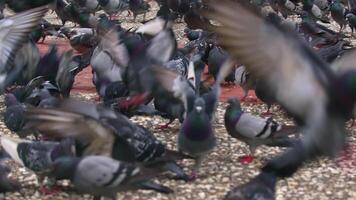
(104, 176)
(113, 7)
(255, 131)
(196, 137)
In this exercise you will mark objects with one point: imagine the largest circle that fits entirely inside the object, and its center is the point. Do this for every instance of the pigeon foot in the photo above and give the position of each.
(246, 159)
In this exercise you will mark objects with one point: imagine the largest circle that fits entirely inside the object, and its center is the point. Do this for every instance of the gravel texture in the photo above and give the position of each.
(322, 179)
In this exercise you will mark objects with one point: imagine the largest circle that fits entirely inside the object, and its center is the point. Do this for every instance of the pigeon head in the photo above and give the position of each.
(233, 101)
(199, 105)
(64, 167)
(64, 32)
(10, 100)
(349, 15)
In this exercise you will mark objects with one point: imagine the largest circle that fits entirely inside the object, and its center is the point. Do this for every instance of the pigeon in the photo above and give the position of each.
(244, 79)
(139, 7)
(337, 11)
(101, 131)
(196, 136)
(104, 176)
(37, 156)
(143, 54)
(89, 5)
(261, 187)
(351, 19)
(68, 67)
(105, 69)
(23, 5)
(43, 30)
(14, 118)
(80, 39)
(16, 102)
(15, 31)
(332, 52)
(192, 34)
(217, 56)
(6, 184)
(27, 59)
(61, 9)
(69, 11)
(265, 94)
(322, 116)
(255, 131)
(166, 103)
(314, 11)
(112, 7)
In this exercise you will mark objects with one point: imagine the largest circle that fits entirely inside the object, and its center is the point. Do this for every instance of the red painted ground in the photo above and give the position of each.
(83, 82)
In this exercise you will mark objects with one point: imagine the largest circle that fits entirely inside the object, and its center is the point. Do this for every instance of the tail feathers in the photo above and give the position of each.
(177, 170)
(150, 185)
(175, 155)
(10, 146)
(282, 142)
(286, 130)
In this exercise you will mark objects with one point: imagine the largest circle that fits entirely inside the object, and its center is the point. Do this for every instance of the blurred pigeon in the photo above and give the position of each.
(217, 57)
(27, 58)
(113, 7)
(139, 7)
(14, 32)
(14, 118)
(37, 156)
(337, 11)
(105, 69)
(196, 137)
(23, 5)
(351, 19)
(80, 39)
(245, 80)
(261, 187)
(265, 94)
(89, 5)
(101, 131)
(6, 184)
(104, 176)
(48, 65)
(322, 116)
(43, 30)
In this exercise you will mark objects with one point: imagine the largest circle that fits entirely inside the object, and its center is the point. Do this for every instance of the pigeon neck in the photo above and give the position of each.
(232, 116)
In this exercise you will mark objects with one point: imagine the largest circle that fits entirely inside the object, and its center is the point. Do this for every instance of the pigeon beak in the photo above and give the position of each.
(198, 108)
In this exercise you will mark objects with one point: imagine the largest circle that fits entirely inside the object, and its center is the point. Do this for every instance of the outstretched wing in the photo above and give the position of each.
(59, 123)
(272, 54)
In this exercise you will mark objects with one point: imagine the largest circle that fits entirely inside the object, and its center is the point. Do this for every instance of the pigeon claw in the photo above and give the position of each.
(266, 114)
(163, 126)
(132, 100)
(193, 176)
(49, 191)
(246, 159)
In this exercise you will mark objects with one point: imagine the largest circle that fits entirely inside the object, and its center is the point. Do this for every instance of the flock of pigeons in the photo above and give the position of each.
(306, 68)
